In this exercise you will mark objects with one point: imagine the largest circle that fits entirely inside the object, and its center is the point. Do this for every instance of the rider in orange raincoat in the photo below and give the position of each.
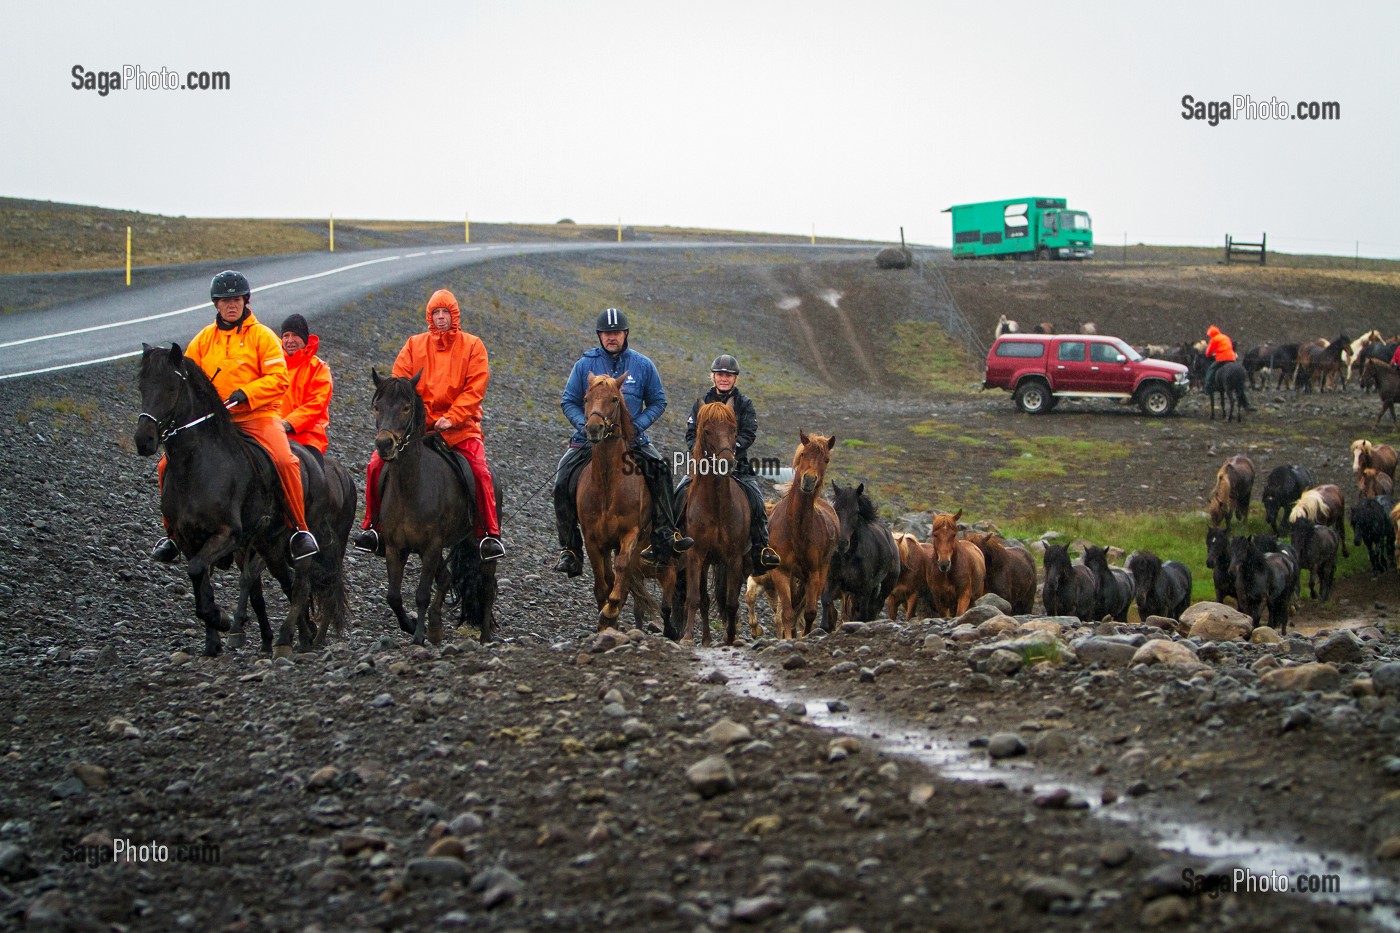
(244, 361)
(455, 373)
(1220, 349)
(306, 408)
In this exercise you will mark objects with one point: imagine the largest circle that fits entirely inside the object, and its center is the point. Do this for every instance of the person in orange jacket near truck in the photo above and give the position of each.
(455, 372)
(244, 361)
(306, 406)
(1220, 349)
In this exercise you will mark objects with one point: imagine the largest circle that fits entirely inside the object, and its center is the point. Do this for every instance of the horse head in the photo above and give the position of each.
(850, 505)
(1145, 567)
(810, 460)
(399, 414)
(1217, 547)
(716, 431)
(944, 538)
(605, 414)
(174, 396)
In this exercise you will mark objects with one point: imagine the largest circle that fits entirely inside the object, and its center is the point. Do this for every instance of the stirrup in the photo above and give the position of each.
(655, 555)
(569, 563)
(166, 551)
(369, 542)
(303, 544)
(768, 558)
(679, 542)
(491, 548)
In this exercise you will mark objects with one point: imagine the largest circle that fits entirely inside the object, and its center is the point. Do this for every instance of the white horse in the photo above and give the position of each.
(1359, 344)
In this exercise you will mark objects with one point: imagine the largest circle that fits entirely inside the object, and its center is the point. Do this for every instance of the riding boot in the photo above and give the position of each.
(666, 541)
(762, 558)
(570, 538)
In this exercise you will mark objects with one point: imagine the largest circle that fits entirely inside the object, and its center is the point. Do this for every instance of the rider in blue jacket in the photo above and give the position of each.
(646, 401)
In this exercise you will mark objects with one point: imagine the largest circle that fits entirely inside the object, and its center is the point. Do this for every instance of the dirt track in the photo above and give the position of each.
(322, 780)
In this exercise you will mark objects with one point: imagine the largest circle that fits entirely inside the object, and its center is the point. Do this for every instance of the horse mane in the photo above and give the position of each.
(865, 508)
(709, 412)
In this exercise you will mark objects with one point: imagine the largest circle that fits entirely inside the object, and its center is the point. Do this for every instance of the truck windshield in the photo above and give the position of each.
(1126, 350)
(1074, 220)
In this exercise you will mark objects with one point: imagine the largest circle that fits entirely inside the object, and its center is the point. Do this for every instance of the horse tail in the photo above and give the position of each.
(642, 600)
(474, 590)
(330, 606)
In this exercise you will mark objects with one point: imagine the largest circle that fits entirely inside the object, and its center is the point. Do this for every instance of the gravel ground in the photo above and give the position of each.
(550, 781)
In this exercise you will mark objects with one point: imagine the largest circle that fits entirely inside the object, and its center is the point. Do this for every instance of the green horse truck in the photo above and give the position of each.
(1021, 228)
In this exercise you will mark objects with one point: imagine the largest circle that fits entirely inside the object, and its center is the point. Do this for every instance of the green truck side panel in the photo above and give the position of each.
(981, 230)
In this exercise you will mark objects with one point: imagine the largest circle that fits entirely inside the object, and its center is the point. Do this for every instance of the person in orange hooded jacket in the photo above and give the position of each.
(306, 406)
(244, 361)
(455, 372)
(1220, 349)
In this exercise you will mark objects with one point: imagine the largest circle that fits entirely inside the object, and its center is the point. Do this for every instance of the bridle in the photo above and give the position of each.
(401, 443)
(609, 424)
(164, 426)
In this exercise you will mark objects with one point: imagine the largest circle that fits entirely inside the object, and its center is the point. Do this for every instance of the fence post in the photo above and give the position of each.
(332, 233)
(128, 255)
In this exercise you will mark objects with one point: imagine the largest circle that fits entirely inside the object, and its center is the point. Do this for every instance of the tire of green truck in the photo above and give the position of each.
(1033, 397)
(1156, 400)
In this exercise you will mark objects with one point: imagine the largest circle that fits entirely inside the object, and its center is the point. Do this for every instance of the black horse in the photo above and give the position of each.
(1162, 589)
(1282, 489)
(1218, 561)
(865, 566)
(1317, 554)
(1069, 589)
(1371, 526)
(222, 502)
(428, 504)
(1114, 586)
(1229, 383)
(1262, 578)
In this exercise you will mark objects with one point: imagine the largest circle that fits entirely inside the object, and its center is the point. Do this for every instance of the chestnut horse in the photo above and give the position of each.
(958, 571)
(717, 517)
(1010, 571)
(614, 506)
(1234, 482)
(1323, 505)
(803, 530)
(914, 560)
(1365, 455)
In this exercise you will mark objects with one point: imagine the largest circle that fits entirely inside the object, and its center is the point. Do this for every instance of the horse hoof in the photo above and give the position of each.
(282, 651)
(236, 640)
(407, 628)
(435, 634)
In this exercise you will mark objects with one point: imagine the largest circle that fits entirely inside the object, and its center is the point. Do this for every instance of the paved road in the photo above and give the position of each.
(113, 326)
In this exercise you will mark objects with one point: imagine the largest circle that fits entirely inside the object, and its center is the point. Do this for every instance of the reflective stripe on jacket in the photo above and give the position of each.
(248, 357)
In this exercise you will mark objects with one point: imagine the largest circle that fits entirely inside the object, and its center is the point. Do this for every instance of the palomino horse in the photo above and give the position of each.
(1323, 505)
(1010, 571)
(614, 506)
(1387, 382)
(222, 501)
(424, 508)
(958, 571)
(717, 518)
(803, 530)
(1365, 455)
(1234, 482)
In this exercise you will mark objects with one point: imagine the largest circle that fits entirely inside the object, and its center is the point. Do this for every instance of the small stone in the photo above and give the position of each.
(607, 640)
(837, 706)
(867, 674)
(794, 661)
(499, 887)
(15, 864)
(823, 879)
(1386, 678)
(921, 794)
(92, 776)
(1042, 892)
(1005, 745)
(711, 776)
(67, 789)
(1389, 849)
(757, 909)
(382, 700)
(448, 847)
(180, 657)
(1003, 662)
(1265, 635)
(1311, 676)
(1340, 648)
(434, 872)
(1053, 800)
(1114, 854)
(714, 677)
(795, 708)
(727, 732)
(323, 778)
(464, 824)
(330, 879)
(934, 644)
(763, 825)
(1165, 910)
(179, 788)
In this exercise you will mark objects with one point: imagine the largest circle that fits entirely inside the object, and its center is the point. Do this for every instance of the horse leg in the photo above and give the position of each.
(623, 568)
(783, 610)
(751, 601)
(250, 592)
(444, 584)
(199, 569)
(694, 586)
(602, 575)
(731, 577)
(432, 563)
(815, 586)
(394, 561)
(705, 605)
(298, 590)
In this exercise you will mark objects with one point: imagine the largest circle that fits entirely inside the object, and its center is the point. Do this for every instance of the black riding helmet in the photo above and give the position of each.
(229, 284)
(724, 363)
(612, 319)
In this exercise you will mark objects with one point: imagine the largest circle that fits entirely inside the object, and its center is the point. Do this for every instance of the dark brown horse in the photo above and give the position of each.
(424, 509)
(958, 571)
(1387, 384)
(614, 506)
(803, 530)
(1010, 571)
(717, 517)
(1234, 482)
(222, 502)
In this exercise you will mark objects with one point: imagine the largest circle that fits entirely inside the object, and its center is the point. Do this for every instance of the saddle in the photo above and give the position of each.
(460, 468)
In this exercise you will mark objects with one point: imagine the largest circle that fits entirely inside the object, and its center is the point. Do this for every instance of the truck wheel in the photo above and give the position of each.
(1033, 397)
(1042, 253)
(1156, 400)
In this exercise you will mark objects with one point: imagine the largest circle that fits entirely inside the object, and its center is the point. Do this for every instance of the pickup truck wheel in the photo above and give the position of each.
(1033, 397)
(1156, 400)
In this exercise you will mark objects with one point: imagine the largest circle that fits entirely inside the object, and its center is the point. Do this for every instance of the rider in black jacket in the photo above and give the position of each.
(724, 373)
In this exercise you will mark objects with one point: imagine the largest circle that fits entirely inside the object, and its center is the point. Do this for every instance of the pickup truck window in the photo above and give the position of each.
(1021, 349)
(1072, 351)
(1105, 353)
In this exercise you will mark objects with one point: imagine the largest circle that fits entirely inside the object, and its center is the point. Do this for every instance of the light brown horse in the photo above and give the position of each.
(717, 518)
(1234, 482)
(614, 506)
(914, 558)
(958, 572)
(1373, 482)
(803, 530)
(1010, 571)
(1323, 505)
(1379, 457)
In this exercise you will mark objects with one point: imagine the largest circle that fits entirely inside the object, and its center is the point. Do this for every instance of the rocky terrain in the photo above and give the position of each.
(558, 779)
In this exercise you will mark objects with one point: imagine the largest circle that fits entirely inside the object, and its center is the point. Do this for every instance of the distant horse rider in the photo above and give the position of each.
(646, 401)
(724, 374)
(244, 361)
(306, 406)
(1220, 349)
(455, 371)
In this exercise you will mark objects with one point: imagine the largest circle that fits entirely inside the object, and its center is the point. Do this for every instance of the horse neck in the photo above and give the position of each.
(404, 468)
(607, 460)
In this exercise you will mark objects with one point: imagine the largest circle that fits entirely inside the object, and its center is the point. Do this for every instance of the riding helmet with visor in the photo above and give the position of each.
(611, 319)
(724, 363)
(228, 284)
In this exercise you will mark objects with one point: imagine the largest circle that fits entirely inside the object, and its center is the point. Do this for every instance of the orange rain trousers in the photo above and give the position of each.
(487, 522)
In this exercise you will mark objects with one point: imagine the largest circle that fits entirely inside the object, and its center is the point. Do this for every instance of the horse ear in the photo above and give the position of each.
(957, 516)
(835, 488)
(622, 378)
(831, 442)
(416, 376)
(860, 489)
(802, 436)
(378, 379)
(175, 354)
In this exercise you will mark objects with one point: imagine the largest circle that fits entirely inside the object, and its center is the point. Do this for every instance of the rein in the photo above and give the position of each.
(610, 425)
(164, 425)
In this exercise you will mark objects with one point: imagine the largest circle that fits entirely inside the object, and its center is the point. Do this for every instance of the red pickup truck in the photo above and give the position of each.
(1042, 369)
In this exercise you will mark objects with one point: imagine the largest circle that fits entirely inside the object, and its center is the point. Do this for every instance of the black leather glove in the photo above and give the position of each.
(236, 397)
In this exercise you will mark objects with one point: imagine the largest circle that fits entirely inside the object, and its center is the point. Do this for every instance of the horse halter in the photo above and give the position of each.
(609, 424)
(164, 425)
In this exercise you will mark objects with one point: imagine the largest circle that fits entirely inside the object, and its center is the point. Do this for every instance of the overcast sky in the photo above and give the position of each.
(853, 117)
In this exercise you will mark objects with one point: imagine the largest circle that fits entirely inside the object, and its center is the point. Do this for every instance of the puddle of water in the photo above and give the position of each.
(951, 758)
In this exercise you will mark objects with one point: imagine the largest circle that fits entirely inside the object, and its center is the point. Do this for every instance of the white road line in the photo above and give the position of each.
(54, 369)
(415, 255)
(165, 314)
(437, 251)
